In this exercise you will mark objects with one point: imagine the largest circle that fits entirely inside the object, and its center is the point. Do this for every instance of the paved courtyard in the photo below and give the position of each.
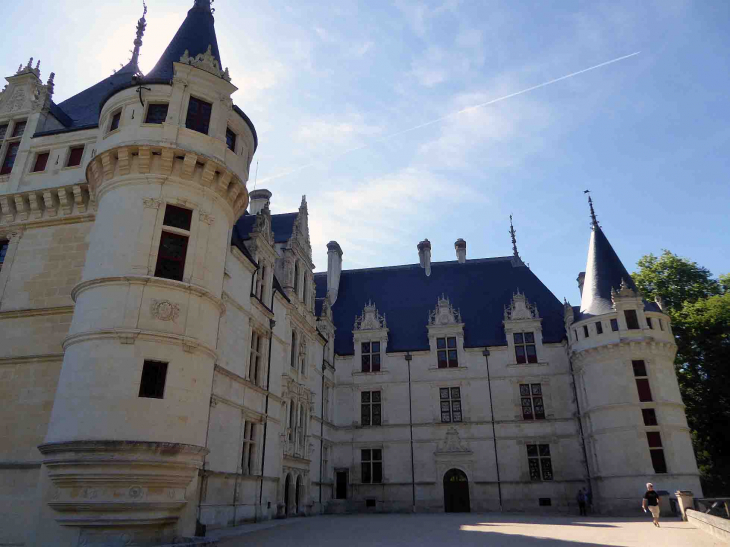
(490, 529)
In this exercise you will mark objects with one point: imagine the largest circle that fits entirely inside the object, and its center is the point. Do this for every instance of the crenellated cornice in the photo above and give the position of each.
(669, 349)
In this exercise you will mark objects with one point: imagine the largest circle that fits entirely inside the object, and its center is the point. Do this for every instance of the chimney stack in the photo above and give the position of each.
(581, 280)
(460, 247)
(258, 200)
(424, 255)
(334, 269)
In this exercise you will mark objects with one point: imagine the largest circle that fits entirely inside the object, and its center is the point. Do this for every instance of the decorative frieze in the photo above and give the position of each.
(39, 205)
(206, 61)
(444, 314)
(370, 319)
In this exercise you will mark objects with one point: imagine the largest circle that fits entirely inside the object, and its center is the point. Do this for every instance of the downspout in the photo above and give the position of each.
(580, 419)
(409, 358)
(272, 323)
(321, 427)
(494, 431)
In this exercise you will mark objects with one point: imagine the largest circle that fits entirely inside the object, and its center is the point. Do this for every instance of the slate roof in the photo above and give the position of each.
(480, 288)
(282, 226)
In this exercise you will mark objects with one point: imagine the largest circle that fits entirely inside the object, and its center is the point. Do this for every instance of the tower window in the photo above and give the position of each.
(614, 325)
(642, 381)
(370, 356)
(10, 155)
(255, 357)
(632, 320)
(116, 118)
(525, 347)
(649, 323)
(198, 118)
(231, 140)
(152, 385)
(661, 325)
(585, 331)
(450, 399)
(656, 451)
(156, 113)
(599, 327)
(296, 278)
(74, 157)
(649, 416)
(539, 461)
(533, 407)
(4, 244)
(370, 409)
(372, 465)
(174, 243)
(248, 454)
(446, 351)
(293, 349)
(41, 160)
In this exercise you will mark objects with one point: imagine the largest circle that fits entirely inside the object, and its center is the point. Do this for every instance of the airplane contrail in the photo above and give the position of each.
(451, 115)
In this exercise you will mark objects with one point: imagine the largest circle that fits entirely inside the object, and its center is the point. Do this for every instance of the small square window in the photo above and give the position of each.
(116, 118)
(41, 160)
(654, 438)
(649, 416)
(599, 327)
(154, 374)
(369, 503)
(639, 367)
(545, 502)
(156, 113)
(177, 217)
(231, 140)
(614, 325)
(74, 157)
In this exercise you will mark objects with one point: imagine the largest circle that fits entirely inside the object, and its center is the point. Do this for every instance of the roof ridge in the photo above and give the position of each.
(442, 263)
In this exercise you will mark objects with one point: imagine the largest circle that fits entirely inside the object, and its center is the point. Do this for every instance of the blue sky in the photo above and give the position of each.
(648, 135)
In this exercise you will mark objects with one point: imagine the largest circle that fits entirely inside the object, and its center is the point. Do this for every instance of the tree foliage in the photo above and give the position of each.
(699, 307)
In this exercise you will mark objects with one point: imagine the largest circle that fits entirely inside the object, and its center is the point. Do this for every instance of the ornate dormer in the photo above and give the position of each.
(370, 319)
(523, 330)
(568, 314)
(446, 335)
(520, 308)
(263, 225)
(444, 314)
(301, 229)
(370, 337)
(206, 61)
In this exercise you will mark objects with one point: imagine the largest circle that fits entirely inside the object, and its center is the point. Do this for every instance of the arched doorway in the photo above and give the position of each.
(297, 497)
(287, 487)
(456, 492)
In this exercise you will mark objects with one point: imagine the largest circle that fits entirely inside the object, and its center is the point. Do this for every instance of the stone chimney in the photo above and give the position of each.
(258, 200)
(460, 247)
(424, 255)
(334, 269)
(581, 280)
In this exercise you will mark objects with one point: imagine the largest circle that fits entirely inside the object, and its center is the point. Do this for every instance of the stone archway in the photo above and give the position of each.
(298, 494)
(287, 488)
(456, 492)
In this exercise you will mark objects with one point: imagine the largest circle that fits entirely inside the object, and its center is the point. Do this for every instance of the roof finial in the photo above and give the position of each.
(513, 233)
(205, 4)
(594, 220)
(141, 26)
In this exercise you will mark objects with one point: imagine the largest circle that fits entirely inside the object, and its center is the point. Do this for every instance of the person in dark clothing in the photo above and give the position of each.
(651, 500)
(582, 502)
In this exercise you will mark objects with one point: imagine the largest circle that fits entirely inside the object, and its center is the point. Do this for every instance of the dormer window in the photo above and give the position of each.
(599, 327)
(370, 356)
(156, 113)
(525, 351)
(13, 146)
(448, 356)
(231, 140)
(75, 156)
(41, 160)
(632, 320)
(198, 118)
(116, 118)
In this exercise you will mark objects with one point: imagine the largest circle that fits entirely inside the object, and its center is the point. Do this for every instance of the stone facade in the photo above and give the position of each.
(151, 393)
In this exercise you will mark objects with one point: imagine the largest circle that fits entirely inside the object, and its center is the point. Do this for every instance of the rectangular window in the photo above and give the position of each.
(545, 502)
(446, 351)
(156, 113)
(372, 465)
(18, 130)
(661, 325)
(255, 360)
(41, 160)
(74, 157)
(575, 334)
(198, 118)
(649, 323)
(656, 451)
(632, 320)
(248, 455)
(152, 385)
(326, 403)
(599, 327)
(642, 385)
(639, 367)
(370, 409)
(10, 155)
(325, 462)
(174, 245)
(450, 400)
(649, 415)
(370, 356)
(538, 458)
(341, 485)
(533, 407)
(4, 244)
(177, 217)
(525, 347)
(614, 325)
(116, 118)
(3, 131)
(231, 140)
(585, 331)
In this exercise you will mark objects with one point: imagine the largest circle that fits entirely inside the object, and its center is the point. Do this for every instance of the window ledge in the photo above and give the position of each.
(378, 373)
(150, 124)
(523, 365)
(70, 167)
(448, 368)
(110, 133)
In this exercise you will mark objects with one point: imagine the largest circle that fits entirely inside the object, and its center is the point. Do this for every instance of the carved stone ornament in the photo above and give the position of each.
(453, 443)
(520, 308)
(444, 314)
(624, 291)
(206, 61)
(152, 203)
(16, 101)
(206, 217)
(164, 310)
(370, 319)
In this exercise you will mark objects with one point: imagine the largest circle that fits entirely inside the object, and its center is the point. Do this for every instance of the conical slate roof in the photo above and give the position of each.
(604, 271)
(195, 35)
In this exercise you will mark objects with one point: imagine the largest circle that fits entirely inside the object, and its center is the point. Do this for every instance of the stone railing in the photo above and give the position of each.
(40, 205)
(718, 527)
(718, 507)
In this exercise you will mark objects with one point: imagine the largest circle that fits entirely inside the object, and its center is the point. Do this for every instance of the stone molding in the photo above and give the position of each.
(206, 61)
(184, 165)
(370, 319)
(32, 312)
(654, 346)
(45, 205)
(444, 314)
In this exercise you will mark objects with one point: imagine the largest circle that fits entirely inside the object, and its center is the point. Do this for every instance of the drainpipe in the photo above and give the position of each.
(321, 427)
(409, 358)
(580, 418)
(272, 323)
(494, 433)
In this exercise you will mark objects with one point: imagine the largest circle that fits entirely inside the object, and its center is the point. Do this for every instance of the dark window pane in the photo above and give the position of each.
(456, 406)
(440, 343)
(445, 417)
(116, 118)
(527, 412)
(74, 157)
(177, 217)
(366, 363)
(452, 342)
(376, 414)
(639, 368)
(529, 338)
(376, 347)
(534, 469)
(365, 397)
(4, 244)
(539, 409)
(524, 389)
(365, 415)
(654, 438)
(41, 160)
(442, 359)
(231, 140)
(453, 361)
(365, 455)
(531, 354)
(519, 339)
(585, 331)
(532, 450)
(365, 347)
(156, 113)
(171, 257)
(457, 416)
(536, 389)
(648, 322)
(527, 402)
(19, 129)
(544, 450)
(377, 454)
(376, 360)
(599, 327)
(520, 353)
(3, 131)
(632, 320)
(376, 396)
(547, 469)
(455, 393)
(614, 325)
(10, 156)
(657, 460)
(649, 415)
(153, 380)
(377, 472)
(198, 118)
(642, 384)
(445, 406)
(366, 478)
(444, 392)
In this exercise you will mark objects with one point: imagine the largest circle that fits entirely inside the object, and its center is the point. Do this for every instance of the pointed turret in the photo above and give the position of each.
(604, 272)
(194, 37)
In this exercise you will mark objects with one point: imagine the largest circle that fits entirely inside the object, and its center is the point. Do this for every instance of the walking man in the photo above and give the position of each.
(582, 502)
(651, 499)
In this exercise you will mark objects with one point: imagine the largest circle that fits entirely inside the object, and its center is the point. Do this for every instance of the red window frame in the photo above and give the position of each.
(41, 161)
(198, 117)
(75, 157)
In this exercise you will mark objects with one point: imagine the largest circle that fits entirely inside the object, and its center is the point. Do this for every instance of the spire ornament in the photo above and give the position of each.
(513, 234)
(594, 220)
(141, 26)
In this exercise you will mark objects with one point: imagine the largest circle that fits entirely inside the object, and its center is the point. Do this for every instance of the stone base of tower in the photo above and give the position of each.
(96, 493)
(622, 496)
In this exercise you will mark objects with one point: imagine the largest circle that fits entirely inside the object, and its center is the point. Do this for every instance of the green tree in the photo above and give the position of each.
(699, 307)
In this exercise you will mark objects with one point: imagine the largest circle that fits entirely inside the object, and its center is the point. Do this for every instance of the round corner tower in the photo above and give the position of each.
(622, 350)
(128, 428)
